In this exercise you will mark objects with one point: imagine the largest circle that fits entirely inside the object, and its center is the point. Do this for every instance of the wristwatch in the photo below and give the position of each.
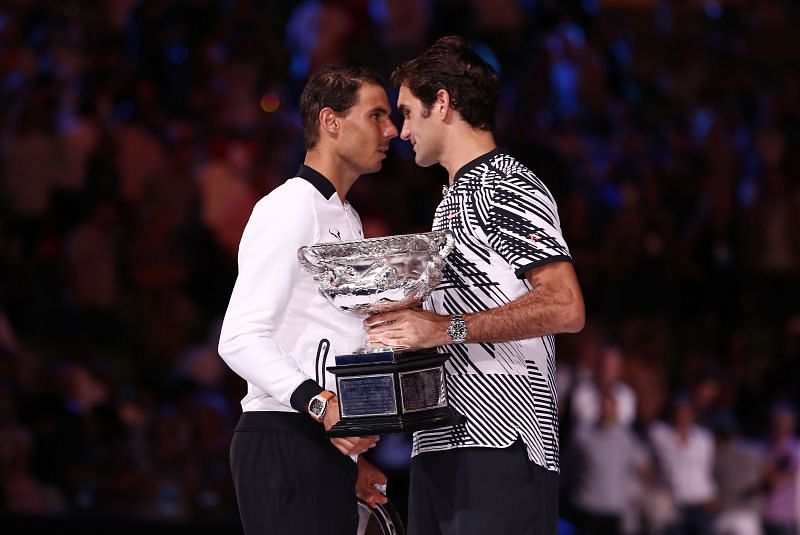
(319, 404)
(457, 330)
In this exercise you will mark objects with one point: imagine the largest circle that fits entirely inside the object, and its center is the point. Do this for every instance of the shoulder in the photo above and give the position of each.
(509, 173)
(703, 434)
(291, 200)
(288, 211)
(293, 190)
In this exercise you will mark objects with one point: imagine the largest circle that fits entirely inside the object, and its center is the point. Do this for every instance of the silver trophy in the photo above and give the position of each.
(384, 389)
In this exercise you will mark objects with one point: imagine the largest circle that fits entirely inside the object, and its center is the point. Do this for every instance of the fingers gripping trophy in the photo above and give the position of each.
(385, 389)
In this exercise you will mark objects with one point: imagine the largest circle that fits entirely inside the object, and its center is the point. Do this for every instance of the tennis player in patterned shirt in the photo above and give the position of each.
(508, 287)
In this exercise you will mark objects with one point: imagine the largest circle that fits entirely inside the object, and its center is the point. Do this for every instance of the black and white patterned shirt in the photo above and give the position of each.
(505, 222)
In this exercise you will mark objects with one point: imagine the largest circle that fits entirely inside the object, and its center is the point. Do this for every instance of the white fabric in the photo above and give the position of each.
(277, 317)
(586, 403)
(687, 467)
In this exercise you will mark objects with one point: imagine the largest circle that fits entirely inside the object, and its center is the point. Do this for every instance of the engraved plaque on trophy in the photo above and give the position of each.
(385, 389)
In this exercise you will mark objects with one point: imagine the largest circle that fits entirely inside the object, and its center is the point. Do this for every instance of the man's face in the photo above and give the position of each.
(419, 128)
(366, 130)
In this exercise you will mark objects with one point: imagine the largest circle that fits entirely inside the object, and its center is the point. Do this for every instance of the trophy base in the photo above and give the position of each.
(382, 425)
(392, 392)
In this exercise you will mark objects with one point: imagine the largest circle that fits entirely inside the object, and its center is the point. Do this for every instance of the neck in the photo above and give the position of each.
(464, 145)
(332, 168)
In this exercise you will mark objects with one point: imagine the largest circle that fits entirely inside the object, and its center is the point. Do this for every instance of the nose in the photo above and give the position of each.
(405, 132)
(391, 130)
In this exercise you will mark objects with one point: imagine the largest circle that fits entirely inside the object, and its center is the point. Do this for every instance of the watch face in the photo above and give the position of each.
(457, 330)
(316, 407)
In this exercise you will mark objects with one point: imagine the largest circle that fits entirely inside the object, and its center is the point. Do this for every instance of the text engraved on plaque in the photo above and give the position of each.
(367, 395)
(423, 389)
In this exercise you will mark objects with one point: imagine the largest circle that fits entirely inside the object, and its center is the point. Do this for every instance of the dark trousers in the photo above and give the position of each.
(692, 520)
(289, 479)
(587, 523)
(789, 528)
(480, 491)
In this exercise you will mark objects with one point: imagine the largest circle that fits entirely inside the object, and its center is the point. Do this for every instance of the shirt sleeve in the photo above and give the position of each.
(268, 272)
(523, 224)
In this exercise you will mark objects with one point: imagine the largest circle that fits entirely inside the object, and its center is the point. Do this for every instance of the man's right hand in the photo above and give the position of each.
(347, 445)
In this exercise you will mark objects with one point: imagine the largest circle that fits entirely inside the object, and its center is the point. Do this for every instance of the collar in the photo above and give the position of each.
(318, 180)
(476, 162)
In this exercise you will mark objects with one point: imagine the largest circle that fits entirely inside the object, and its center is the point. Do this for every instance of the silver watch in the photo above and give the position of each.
(457, 330)
(319, 404)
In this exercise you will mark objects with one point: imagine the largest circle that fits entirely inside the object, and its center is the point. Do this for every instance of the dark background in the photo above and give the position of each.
(137, 135)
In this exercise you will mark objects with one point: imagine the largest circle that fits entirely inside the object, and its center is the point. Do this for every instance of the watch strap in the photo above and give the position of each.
(302, 395)
(457, 329)
(325, 396)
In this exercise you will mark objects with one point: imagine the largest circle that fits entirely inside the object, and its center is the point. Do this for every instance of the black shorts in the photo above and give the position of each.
(480, 491)
(290, 479)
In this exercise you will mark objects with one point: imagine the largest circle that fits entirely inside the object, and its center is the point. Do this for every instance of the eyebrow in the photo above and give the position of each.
(402, 107)
(379, 109)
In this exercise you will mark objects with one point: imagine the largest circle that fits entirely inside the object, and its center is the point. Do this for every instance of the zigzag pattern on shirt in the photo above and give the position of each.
(504, 221)
(545, 403)
(499, 408)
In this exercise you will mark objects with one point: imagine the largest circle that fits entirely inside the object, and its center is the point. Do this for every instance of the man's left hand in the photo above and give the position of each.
(368, 477)
(413, 328)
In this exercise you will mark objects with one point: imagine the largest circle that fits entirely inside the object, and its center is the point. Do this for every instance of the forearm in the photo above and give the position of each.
(260, 361)
(553, 305)
(538, 313)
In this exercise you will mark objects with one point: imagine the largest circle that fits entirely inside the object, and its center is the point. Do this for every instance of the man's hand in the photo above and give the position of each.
(347, 445)
(553, 305)
(368, 477)
(412, 327)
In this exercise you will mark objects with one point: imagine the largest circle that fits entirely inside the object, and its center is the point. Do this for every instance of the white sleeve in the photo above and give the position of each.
(268, 273)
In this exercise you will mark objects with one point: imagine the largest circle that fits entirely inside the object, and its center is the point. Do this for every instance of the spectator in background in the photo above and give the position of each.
(91, 255)
(781, 510)
(32, 158)
(738, 467)
(139, 158)
(684, 455)
(586, 402)
(225, 192)
(20, 490)
(607, 459)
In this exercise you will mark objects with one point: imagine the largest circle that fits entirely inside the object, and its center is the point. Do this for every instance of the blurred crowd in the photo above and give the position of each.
(136, 135)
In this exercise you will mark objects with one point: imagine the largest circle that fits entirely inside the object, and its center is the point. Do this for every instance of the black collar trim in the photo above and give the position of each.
(318, 180)
(477, 161)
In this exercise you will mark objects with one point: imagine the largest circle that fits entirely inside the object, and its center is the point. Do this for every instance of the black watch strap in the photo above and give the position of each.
(302, 395)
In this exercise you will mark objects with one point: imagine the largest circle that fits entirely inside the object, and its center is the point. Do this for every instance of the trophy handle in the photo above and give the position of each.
(302, 256)
(449, 242)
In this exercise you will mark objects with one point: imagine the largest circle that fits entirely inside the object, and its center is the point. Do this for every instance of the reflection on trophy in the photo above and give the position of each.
(385, 389)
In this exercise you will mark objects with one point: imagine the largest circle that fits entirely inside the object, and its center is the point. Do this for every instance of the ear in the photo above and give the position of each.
(329, 121)
(441, 107)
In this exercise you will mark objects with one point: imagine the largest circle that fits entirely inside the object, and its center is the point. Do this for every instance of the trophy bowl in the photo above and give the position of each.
(385, 389)
(375, 275)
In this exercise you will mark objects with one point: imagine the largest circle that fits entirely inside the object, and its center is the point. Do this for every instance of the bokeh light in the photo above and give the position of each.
(270, 102)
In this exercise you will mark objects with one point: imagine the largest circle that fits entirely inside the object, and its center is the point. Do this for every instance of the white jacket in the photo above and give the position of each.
(277, 321)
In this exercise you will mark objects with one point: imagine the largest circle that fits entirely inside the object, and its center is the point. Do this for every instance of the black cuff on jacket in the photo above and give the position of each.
(302, 395)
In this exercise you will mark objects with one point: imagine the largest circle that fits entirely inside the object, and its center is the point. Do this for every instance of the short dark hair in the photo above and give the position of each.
(335, 87)
(451, 64)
